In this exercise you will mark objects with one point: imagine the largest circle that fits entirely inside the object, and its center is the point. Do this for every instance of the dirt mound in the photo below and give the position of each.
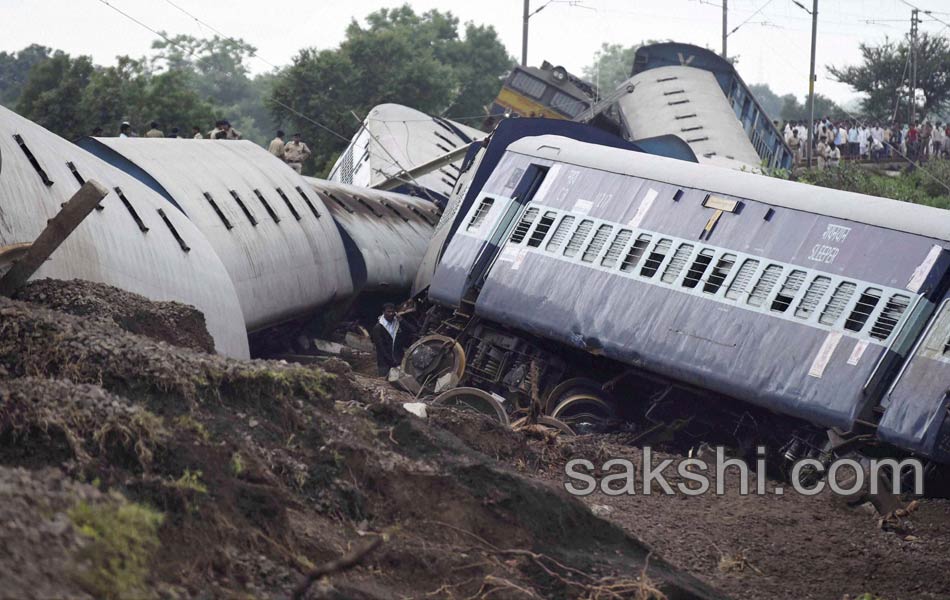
(172, 322)
(229, 478)
(64, 539)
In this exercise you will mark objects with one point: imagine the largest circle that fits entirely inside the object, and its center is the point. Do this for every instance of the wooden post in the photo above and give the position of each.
(57, 230)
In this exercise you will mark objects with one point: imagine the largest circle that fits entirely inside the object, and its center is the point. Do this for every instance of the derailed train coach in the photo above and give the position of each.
(580, 259)
(274, 235)
(134, 241)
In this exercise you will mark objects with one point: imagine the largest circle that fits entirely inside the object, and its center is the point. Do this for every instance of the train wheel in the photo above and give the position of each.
(432, 357)
(470, 398)
(570, 387)
(586, 412)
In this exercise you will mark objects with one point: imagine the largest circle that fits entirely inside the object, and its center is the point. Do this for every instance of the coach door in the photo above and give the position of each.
(524, 192)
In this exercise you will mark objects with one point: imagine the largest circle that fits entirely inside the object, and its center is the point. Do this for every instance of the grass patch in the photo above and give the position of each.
(121, 540)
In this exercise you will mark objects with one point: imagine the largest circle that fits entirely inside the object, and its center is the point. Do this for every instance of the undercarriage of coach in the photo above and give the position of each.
(518, 379)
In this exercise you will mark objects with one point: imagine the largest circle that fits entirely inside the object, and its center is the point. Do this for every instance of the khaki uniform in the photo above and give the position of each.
(198, 136)
(154, 133)
(295, 153)
(276, 147)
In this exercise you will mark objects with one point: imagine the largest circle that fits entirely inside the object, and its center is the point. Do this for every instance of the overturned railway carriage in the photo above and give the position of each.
(273, 233)
(394, 139)
(827, 306)
(135, 241)
(385, 234)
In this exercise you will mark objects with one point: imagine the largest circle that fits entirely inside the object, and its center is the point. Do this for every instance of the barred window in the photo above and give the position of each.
(696, 271)
(890, 316)
(560, 233)
(480, 213)
(677, 263)
(839, 299)
(635, 253)
(765, 285)
(784, 297)
(541, 231)
(656, 257)
(616, 247)
(597, 243)
(528, 84)
(719, 273)
(522, 229)
(577, 240)
(814, 293)
(862, 310)
(742, 279)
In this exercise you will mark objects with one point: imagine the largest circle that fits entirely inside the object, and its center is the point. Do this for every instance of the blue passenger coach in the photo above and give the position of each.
(828, 306)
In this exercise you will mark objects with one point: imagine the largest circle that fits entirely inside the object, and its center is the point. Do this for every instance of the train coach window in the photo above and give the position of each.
(560, 233)
(267, 206)
(524, 225)
(890, 316)
(217, 210)
(719, 273)
(740, 283)
(835, 306)
(616, 247)
(698, 268)
(131, 209)
(784, 297)
(310, 205)
(863, 309)
(480, 213)
(541, 231)
(528, 84)
(677, 263)
(656, 257)
(577, 240)
(290, 206)
(247, 212)
(813, 295)
(597, 243)
(635, 253)
(764, 285)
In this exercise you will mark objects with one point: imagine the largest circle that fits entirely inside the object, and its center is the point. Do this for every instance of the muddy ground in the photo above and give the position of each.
(132, 468)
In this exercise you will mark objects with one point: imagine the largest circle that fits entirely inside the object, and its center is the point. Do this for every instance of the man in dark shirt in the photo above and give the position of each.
(390, 336)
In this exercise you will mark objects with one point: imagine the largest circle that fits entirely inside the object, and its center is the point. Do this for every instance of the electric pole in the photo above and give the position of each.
(524, 33)
(725, 22)
(914, 20)
(811, 83)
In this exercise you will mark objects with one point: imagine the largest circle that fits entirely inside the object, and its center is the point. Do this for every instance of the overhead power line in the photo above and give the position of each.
(191, 51)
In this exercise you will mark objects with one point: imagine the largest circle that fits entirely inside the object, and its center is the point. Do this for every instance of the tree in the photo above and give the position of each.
(612, 65)
(793, 110)
(53, 92)
(15, 69)
(884, 77)
(427, 66)
(770, 101)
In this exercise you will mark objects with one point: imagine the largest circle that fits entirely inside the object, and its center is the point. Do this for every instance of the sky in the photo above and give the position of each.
(771, 43)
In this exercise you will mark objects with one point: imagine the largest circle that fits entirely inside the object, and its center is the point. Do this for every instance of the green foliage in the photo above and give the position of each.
(191, 480)
(917, 186)
(612, 65)
(771, 102)
(120, 542)
(883, 78)
(237, 464)
(15, 69)
(793, 110)
(397, 56)
(185, 83)
(189, 423)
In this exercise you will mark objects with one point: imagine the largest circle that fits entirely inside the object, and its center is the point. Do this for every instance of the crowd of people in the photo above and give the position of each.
(294, 152)
(853, 140)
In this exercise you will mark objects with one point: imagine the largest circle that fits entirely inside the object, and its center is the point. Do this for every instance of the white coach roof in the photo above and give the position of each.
(872, 210)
